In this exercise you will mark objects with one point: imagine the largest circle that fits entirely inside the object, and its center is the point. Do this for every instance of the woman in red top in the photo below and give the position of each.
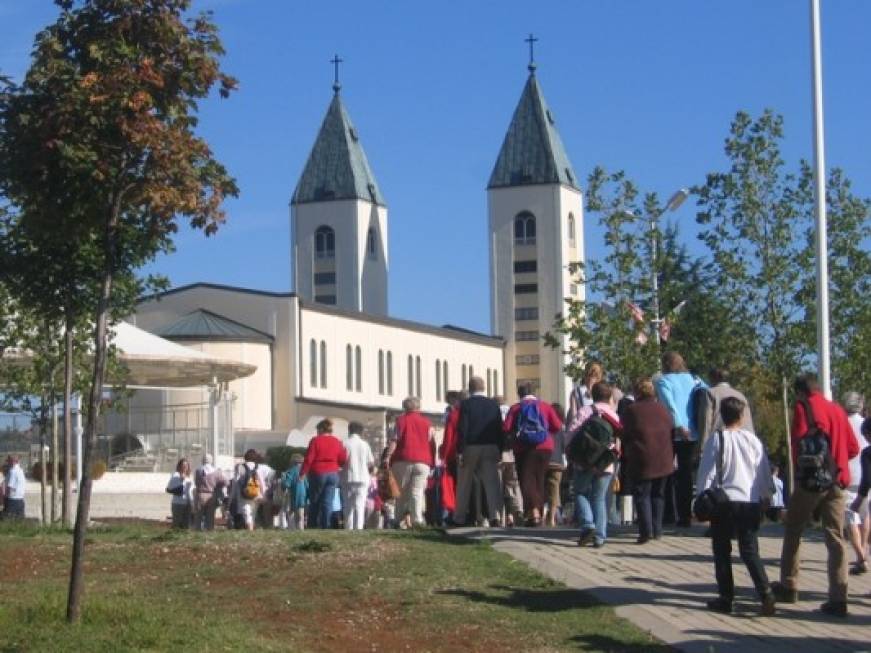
(532, 460)
(448, 454)
(323, 460)
(411, 456)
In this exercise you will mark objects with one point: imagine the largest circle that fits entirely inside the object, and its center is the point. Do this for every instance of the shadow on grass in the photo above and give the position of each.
(529, 600)
(612, 645)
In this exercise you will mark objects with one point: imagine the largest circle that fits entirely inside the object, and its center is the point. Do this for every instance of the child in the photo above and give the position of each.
(776, 507)
(295, 494)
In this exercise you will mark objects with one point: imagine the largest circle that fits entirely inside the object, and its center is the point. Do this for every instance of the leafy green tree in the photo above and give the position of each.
(99, 145)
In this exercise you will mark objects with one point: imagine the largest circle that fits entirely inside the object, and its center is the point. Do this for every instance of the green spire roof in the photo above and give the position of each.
(205, 325)
(532, 152)
(337, 168)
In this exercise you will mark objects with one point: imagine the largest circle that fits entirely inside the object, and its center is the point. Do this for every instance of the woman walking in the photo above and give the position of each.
(181, 487)
(323, 460)
(734, 460)
(412, 453)
(647, 457)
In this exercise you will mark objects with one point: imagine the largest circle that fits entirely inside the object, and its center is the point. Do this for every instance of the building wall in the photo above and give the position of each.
(552, 251)
(338, 333)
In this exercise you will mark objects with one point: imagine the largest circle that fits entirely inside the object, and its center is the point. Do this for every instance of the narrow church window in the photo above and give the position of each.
(471, 371)
(489, 384)
(571, 229)
(371, 245)
(496, 389)
(465, 378)
(325, 242)
(390, 373)
(438, 377)
(323, 364)
(313, 363)
(380, 371)
(349, 368)
(417, 376)
(358, 364)
(524, 229)
(445, 376)
(410, 376)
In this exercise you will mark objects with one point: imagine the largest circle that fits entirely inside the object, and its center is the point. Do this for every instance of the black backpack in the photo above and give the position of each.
(590, 447)
(816, 469)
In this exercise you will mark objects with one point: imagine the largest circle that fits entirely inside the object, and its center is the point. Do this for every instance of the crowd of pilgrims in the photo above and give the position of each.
(643, 456)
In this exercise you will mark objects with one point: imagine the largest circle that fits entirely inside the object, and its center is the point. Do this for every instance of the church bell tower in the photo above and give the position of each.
(536, 231)
(338, 220)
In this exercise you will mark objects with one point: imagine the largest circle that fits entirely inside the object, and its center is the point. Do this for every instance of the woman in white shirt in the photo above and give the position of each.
(746, 480)
(181, 487)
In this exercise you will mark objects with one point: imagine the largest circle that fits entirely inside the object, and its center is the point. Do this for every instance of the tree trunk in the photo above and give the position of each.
(67, 510)
(74, 599)
(43, 476)
(55, 443)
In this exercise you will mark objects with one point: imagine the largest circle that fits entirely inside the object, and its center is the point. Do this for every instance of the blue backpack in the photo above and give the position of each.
(531, 429)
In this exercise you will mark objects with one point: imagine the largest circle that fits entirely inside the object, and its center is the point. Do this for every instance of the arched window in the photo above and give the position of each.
(380, 371)
(358, 364)
(524, 229)
(571, 228)
(438, 370)
(465, 378)
(489, 384)
(349, 368)
(390, 373)
(417, 376)
(445, 380)
(325, 242)
(313, 363)
(410, 375)
(371, 244)
(496, 389)
(471, 371)
(323, 364)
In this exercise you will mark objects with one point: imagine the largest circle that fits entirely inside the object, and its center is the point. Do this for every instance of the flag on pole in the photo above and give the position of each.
(636, 312)
(641, 338)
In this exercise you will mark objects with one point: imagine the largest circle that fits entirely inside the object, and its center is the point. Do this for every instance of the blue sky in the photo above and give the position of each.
(649, 87)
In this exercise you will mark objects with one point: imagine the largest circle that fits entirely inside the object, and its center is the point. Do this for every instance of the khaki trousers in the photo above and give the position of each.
(802, 505)
(412, 481)
(481, 461)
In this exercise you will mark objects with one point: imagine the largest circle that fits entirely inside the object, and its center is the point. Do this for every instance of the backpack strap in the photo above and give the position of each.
(809, 415)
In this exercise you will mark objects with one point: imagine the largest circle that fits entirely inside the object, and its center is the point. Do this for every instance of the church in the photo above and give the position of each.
(329, 348)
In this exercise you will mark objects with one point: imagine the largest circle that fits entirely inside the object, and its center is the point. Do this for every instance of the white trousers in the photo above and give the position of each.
(355, 505)
(412, 479)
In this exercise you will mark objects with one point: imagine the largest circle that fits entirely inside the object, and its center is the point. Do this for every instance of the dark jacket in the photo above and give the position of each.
(647, 441)
(480, 423)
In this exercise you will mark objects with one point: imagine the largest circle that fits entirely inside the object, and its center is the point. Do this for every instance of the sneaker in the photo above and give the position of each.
(598, 544)
(588, 536)
(859, 568)
(720, 604)
(834, 608)
(783, 594)
(642, 539)
(767, 608)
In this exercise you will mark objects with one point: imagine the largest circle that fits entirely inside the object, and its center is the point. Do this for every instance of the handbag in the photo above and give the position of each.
(708, 503)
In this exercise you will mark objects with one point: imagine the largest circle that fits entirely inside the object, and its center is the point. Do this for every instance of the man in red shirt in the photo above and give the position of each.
(831, 419)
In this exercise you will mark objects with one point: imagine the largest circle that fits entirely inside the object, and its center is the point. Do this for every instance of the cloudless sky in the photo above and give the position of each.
(649, 87)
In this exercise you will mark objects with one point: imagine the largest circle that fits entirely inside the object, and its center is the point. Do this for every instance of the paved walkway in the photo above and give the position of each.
(662, 587)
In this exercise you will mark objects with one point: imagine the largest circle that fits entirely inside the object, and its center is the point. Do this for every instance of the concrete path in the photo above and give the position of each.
(662, 587)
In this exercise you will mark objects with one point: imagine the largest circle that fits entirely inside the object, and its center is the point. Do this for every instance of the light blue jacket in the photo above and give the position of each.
(674, 390)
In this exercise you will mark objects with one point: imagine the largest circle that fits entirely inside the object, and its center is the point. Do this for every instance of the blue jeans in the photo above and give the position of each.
(322, 491)
(590, 489)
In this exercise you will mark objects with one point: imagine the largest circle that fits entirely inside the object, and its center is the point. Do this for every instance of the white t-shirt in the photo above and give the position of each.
(360, 458)
(187, 483)
(856, 463)
(15, 483)
(746, 475)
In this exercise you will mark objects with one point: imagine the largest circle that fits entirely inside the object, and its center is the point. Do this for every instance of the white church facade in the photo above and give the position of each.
(330, 348)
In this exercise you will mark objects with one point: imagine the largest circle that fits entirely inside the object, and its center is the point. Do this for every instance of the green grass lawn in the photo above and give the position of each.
(151, 589)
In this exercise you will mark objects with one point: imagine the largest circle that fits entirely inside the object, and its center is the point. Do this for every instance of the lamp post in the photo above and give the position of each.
(820, 204)
(673, 204)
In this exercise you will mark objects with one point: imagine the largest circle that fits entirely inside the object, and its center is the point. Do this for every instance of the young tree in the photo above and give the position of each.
(99, 144)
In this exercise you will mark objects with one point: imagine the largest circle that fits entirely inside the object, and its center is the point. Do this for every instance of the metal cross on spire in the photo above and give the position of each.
(336, 61)
(531, 40)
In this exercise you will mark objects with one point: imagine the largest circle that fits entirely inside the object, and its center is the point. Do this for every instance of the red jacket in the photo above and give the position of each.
(325, 454)
(448, 448)
(551, 420)
(832, 419)
(413, 444)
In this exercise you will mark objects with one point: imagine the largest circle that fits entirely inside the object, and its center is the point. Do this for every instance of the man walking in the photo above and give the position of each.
(13, 503)
(356, 476)
(479, 446)
(720, 389)
(815, 415)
